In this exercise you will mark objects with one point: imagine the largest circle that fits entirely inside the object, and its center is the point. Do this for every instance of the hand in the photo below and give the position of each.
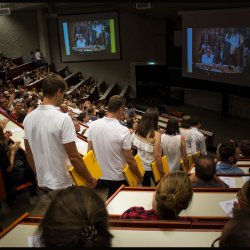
(7, 135)
(14, 147)
(92, 183)
(4, 122)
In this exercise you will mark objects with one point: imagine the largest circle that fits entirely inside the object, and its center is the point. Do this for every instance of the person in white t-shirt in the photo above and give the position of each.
(38, 57)
(50, 140)
(111, 143)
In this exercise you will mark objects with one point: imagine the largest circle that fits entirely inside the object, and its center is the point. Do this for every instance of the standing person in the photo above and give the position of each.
(198, 139)
(147, 140)
(174, 145)
(111, 143)
(185, 130)
(50, 140)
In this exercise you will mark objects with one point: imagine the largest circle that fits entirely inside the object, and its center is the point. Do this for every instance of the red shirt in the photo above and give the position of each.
(139, 213)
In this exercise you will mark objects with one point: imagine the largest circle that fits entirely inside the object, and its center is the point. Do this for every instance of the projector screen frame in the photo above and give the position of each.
(117, 36)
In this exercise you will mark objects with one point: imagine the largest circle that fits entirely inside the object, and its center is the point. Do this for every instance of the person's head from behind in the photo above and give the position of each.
(173, 194)
(116, 105)
(185, 122)
(236, 233)
(229, 152)
(172, 127)
(148, 123)
(54, 87)
(205, 168)
(64, 108)
(245, 148)
(76, 217)
(195, 122)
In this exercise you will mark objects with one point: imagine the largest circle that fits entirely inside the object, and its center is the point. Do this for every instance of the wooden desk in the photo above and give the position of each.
(203, 205)
(18, 134)
(18, 233)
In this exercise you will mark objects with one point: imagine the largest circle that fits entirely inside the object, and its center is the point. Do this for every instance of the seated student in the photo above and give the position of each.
(236, 233)
(173, 194)
(76, 217)
(245, 148)
(205, 170)
(228, 154)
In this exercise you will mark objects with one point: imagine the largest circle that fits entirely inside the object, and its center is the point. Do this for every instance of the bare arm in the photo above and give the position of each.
(158, 153)
(90, 146)
(132, 164)
(14, 147)
(78, 164)
(29, 155)
(184, 152)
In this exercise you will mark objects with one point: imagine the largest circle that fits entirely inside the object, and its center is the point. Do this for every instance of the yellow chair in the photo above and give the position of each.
(91, 164)
(130, 176)
(155, 170)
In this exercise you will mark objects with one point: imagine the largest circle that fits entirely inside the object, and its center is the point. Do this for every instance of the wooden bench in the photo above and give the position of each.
(125, 234)
(18, 70)
(111, 90)
(61, 72)
(125, 91)
(72, 79)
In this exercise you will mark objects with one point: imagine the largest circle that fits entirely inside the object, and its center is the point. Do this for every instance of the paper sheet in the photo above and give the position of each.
(227, 206)
(15, 130)
(246, 178)
(230, 181)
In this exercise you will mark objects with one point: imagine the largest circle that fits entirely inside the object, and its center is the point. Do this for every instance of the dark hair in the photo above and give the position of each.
(227, 150)
(76, 217)
(82, 116)
(185, 122)
(245, 148)
(205, 167)
(195, 121)
(173, 194)
(21, 115)
(148, 123)
(115, 103)
(172, 127)
(101, 113)
(236, 233)
(130, 122)
(52, 83)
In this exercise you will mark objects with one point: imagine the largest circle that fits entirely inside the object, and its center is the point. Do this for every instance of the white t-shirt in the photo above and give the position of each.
(198, 142)
(171, 147)
(47, 129)
(187, 134)
(109, 138)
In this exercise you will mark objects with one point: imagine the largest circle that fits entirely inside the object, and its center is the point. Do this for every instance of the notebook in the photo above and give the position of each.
(130, 176)
(155, 169)
(91, 164)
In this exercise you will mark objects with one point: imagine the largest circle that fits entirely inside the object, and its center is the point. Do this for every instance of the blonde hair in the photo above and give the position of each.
(173, 194)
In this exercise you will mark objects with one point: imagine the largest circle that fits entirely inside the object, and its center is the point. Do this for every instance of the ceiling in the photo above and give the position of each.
(158, 9)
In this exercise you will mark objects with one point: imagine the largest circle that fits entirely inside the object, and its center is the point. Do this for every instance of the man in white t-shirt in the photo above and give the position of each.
(111, 143)
(198, 142)
(50, 140)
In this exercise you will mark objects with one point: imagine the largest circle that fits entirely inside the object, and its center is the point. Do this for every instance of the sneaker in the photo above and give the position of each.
(33, 200)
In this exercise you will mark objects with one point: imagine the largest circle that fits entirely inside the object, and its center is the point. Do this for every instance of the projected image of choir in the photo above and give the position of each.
(225, 50)
(91, 34)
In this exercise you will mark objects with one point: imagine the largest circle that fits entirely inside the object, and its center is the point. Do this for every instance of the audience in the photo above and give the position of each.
(173, 194)
(228, 154)
(245, 148)
(174, 146)
(236, 233)
(147, 140)
(205, 174)
(76, 217)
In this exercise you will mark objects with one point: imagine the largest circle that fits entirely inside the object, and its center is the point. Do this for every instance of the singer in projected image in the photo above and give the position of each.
(222, 50)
